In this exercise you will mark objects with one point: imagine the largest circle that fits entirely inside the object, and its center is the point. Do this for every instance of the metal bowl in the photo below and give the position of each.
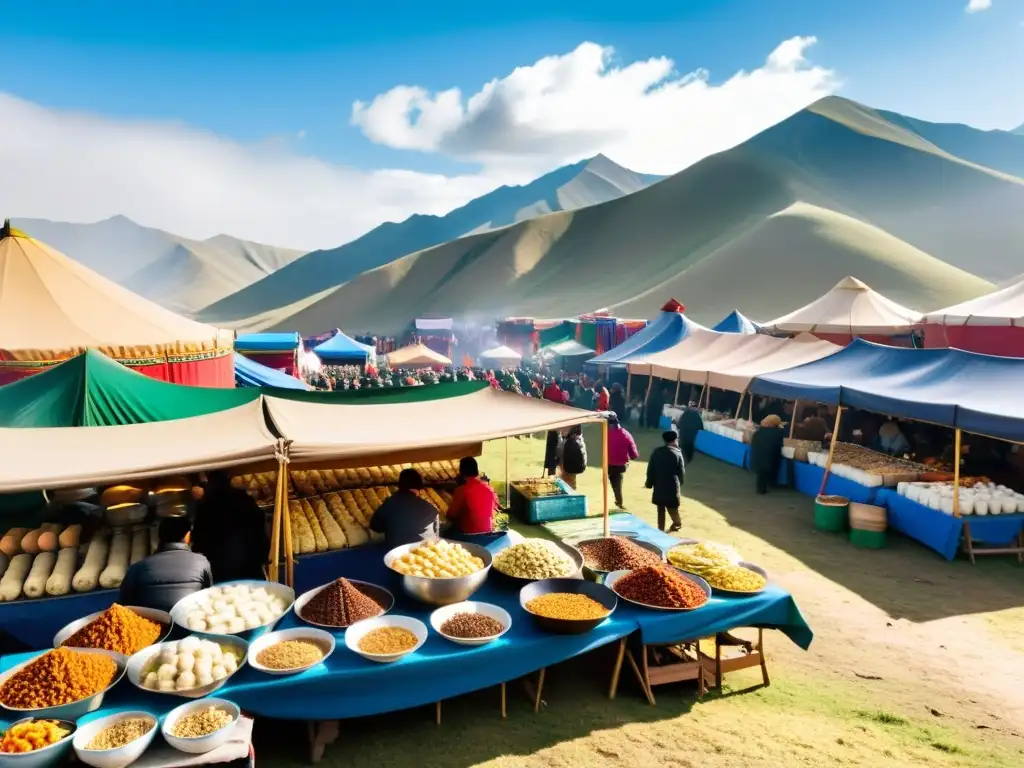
(125, 514)
(612, 578)
(639, 542)
(575, 555)
(139, 664)
(378, 594)
(591, 589)
(45, 756)
(732, 593)
(186, 605)
(442, 591)
(75, 709)
(160, 617)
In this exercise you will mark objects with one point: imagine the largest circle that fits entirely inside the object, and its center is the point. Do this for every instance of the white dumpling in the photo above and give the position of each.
(277, 606)
(167, 672)
(188, 645)
(261, 596)
(236, 625)
(186, 661)
(252, 620)
(214, 593)
(204, 666)
(185, 681)
(229, 663)
(219, 629)
(204, 678)
(220, 605)
(219, 673)
(193, 616)
(263, 612)
(197, 625)
(209, 647)
(168, 657)
(166, 685)
(152, 681)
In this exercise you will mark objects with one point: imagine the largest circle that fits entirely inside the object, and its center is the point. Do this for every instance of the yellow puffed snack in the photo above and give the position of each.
(438, 560)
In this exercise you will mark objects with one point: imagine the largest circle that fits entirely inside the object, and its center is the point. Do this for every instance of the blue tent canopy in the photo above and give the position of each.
(667, 330)
(343, 349)
(266, 342)
(736, 322)
(977, 393)
(249, 373)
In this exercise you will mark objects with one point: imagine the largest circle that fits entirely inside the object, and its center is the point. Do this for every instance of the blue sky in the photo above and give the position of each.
(286, 75)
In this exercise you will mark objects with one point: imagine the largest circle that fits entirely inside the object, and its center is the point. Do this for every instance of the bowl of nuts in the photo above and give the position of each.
(535, 559)
(200, 726)
(471, 623)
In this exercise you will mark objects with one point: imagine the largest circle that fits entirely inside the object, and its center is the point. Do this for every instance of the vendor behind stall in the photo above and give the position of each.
(405, 518)
(766, 452)
(230, 529)
(170, 573)
(473, 502)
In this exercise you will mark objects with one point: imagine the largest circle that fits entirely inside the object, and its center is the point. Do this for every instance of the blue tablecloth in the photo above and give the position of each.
(723, 448)
(35, 622)
(942, 532)
(807, 479)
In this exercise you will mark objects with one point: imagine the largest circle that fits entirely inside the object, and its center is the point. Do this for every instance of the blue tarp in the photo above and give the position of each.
(736, 322)
(266, 342)
(249, 373)
(667, 330)
(341, 348)
(977, 393)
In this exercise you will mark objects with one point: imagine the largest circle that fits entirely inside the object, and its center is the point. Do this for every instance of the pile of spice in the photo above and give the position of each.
(290, 654)
(202, 723)
(616, 553)
(56, 678)
(567, 605)
(387, 640)
(30, 736)
(467, 625)
(121, 733)
(340, 604)
(661, 587)
(117, 629)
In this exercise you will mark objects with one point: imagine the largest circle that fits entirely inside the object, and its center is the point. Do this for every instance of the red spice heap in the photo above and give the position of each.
(340, 604)
(660, 586)
(616, 554)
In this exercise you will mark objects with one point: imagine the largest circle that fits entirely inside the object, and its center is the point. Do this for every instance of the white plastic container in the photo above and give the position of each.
(201, 744)
(113, 758)
(981, 506)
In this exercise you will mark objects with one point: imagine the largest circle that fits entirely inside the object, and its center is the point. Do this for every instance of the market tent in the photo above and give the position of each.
(340, 431)
(848, 311)
(500, 356)
(93, 390)
(951, 387)
(668, 329)
(53, 308)
(416, 355)
(279, 351)
(344, 350)
(434, 325)
(568, 348)
(70, 457)
(249, 373)
(992, 324)
(736, 322)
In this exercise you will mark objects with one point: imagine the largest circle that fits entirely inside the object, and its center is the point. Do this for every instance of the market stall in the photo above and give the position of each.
(499, 357)
(992, 324)
(736, 322)
(416, 356)
(249, 373)
(344, 350)
(669, 328)
(279, 351)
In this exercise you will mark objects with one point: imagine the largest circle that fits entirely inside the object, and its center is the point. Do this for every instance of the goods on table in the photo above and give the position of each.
(387, 640)
(71, 537)
(309, 483)
(117, 629)
(733, 429)
(191, 663)
(534, 559)
(42, 567)
(58, 677)
(14, 577)
(117, 560)
(290, 654)
(702, 554)
(88, 576)
(538, 487)
(567, 605)
(867, 467)
(661, 587)
(438, 560)
(202, 723)
(340, 604)
(121, 733)
(42, 539)
(10, 544)
(233, 608)
(980, 498)
(121, 494)
(467, 625)
(616, 553)
(59, 582)
(28, 737)
(732, 578)
(262, 486)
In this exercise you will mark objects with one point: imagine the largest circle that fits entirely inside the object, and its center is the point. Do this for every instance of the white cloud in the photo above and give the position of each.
(644, 115)
(70, 166)
(975, 6)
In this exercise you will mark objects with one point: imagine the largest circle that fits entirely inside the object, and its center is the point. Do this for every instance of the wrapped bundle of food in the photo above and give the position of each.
(303, 483)
(334, 533)
(303, 542)
(390, 473)
(355, 535)
(314, 526)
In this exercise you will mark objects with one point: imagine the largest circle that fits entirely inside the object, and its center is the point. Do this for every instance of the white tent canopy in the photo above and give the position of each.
(416, 355)
(500, 354)
(1002, 307)
(568, 348)
(850, 308)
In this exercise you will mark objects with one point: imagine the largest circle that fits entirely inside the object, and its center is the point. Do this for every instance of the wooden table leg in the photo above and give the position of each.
(968, 541)
(640, 676)
(535, 692)
(504, 708)
(321, 733)
(437, 713)
(617, 669)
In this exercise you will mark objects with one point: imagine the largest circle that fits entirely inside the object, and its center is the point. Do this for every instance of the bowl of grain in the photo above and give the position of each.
(290, 651)
(115, 741)
(62, 683)
(200, 726)
(124, 629)
(615, 553)
(387, 638)
(471, 622)
(567, 606)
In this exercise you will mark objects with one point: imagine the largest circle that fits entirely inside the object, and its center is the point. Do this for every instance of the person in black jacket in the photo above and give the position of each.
(169, 574)
(655, 406)
(689, 424)
(665, 474)
(230, 529)
(405, 518)
(574, 456)
(617, 402)
(552, 448)
(766, 452)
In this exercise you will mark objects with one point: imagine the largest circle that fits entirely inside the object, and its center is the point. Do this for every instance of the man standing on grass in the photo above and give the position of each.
(665, 472)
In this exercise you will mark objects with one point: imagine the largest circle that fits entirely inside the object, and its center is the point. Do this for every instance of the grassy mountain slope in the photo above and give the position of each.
(585, 183)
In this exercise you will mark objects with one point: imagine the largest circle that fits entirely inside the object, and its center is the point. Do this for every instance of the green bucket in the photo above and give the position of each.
(831, 517)
(867, 539)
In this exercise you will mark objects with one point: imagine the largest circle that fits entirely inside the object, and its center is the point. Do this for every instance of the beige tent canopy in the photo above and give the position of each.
(851, 308)
(416, 355)
(1004, 306)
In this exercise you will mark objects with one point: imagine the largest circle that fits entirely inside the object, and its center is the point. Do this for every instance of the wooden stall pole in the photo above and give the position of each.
(506, 473)
(739, 406)
(604, 475)
(750, 413)
(792, 420)
(956, 473)
(831, 449)
(629, 383)
(286, 516)
(275, 530)
(650, 383)
(700, 399)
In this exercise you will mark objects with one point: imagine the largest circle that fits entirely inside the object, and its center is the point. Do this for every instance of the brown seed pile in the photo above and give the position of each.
(117, 629)
(468, 625)
(201, 723)
(616, 553)
(661, 587)
(566, 605)
(121, 733)
(290, 654)
(340, 604)
(56, 678)
(387, 640)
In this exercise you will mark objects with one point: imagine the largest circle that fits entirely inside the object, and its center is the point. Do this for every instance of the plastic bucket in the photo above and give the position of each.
(831, 515)
(868, 539)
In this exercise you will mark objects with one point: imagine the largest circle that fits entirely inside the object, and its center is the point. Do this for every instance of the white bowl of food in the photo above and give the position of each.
(467, 623)
(192, 667)
(290, 651)
(43, 757)
(234, 608)
(115, 741)
(73, 709)
(386, 638)
(163, 618)
(200, 726)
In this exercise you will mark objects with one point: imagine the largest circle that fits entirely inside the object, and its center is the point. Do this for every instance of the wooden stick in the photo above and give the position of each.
(604, 476)
(275, 528)
(506, 473)
(629, 382)
(792, 421)
(650, 383)
(750, 413)
(956, 473)
(286, 524)
(831, 449)
(675, 397)
(739, 406)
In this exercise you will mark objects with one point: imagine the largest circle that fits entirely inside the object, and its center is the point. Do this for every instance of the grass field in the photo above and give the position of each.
(915, 662)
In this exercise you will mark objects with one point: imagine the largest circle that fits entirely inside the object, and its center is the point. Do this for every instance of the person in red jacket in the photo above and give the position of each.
(621, 451)
(473, 502)
(553, 392)
(603, 397)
